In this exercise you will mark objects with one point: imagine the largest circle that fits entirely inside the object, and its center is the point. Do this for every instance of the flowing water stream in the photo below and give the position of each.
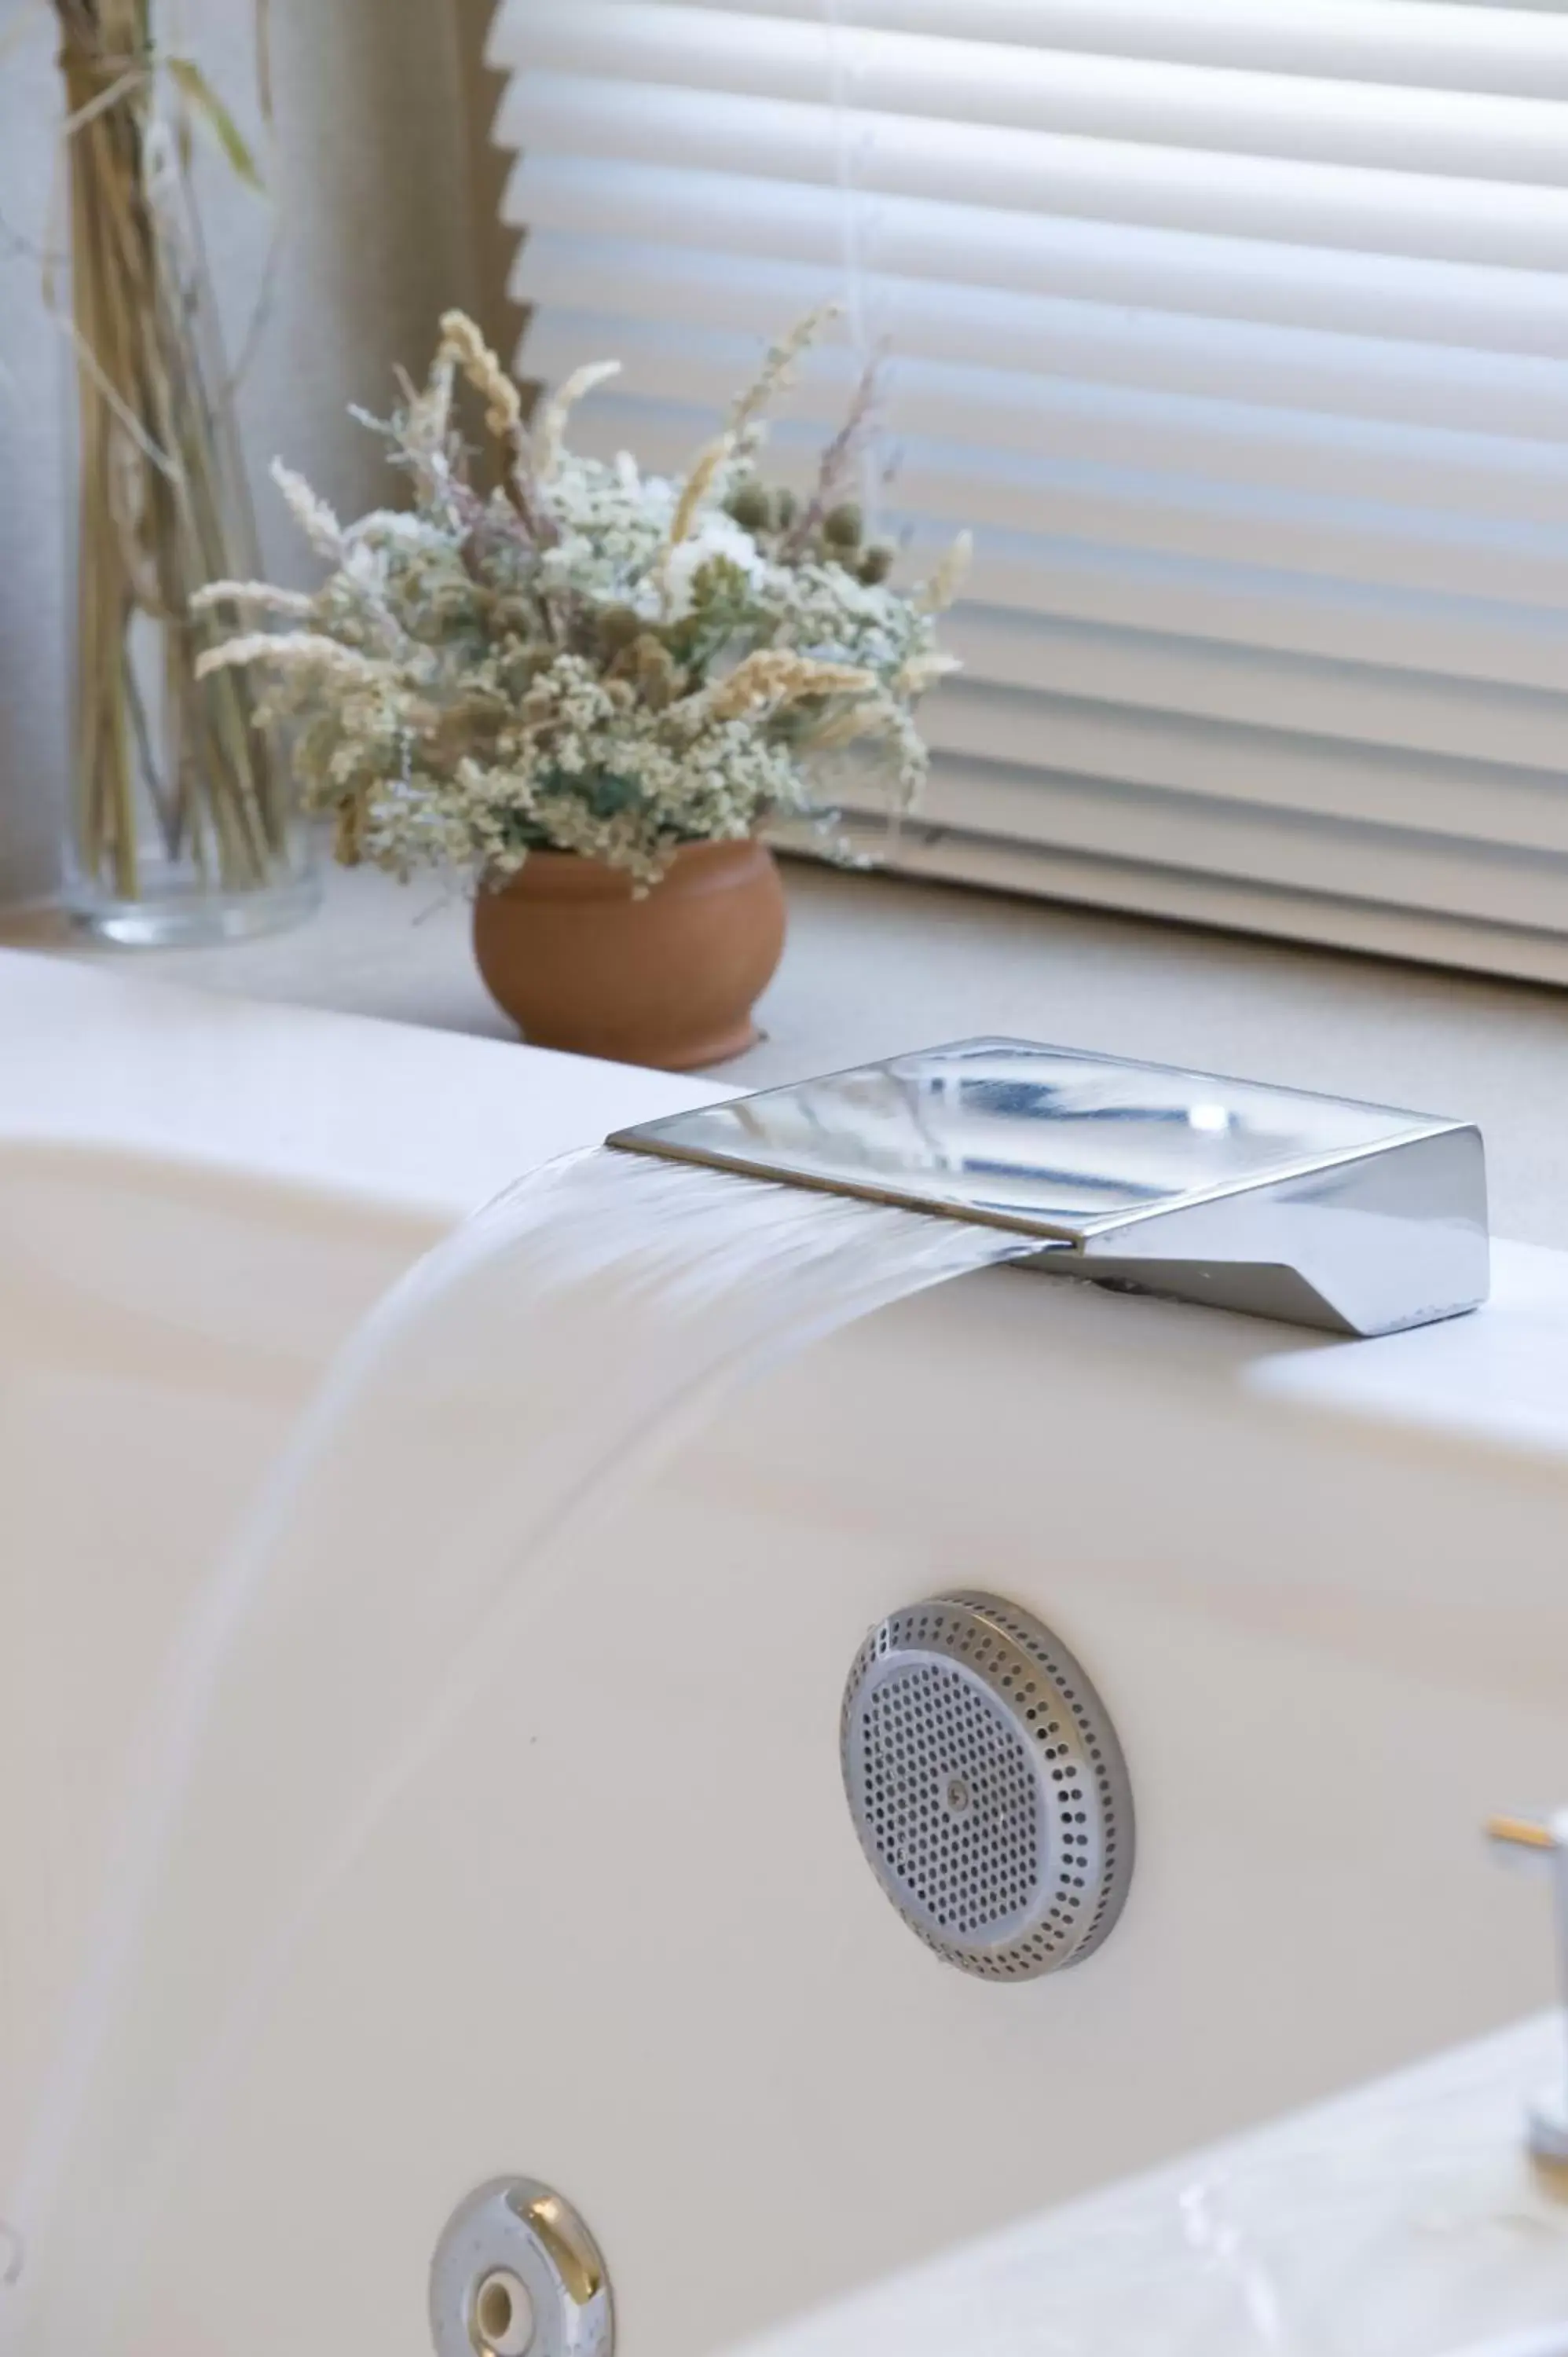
(555, 1349)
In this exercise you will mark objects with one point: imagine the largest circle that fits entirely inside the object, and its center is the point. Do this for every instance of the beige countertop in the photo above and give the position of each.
(878, 963)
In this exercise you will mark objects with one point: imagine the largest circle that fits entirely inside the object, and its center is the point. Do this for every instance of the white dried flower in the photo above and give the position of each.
(463, 344)
(290, 649)
(260, 595)
(945, 583)
(553, 422)
(314, 517)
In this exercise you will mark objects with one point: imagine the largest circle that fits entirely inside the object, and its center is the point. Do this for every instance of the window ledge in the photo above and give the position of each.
(878, 963)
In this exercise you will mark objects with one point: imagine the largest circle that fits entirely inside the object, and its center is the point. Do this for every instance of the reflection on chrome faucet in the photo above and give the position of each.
(1357, 1219)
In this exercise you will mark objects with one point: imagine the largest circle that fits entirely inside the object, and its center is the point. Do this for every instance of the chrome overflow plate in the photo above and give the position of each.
(517, 2274)
(987, 1786)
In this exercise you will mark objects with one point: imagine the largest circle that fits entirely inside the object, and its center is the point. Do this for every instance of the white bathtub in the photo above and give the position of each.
(622, 1937)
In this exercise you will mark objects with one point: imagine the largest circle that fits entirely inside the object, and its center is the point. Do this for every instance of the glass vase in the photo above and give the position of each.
(181, 825)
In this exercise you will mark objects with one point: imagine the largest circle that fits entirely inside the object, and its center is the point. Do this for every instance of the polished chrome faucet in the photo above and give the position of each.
(1353, 1218)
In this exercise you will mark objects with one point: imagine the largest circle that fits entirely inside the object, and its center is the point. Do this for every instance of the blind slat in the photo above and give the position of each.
(1141, 587)
(1268, 769)
(1430, 43)
(1405, 548)
(635, 280)
(1254, 605)
(1371, 919)
(1361, 702)
(1434, 303)
(1508, 226)
(1059, 418)
(1217, 109)
(1474, 879)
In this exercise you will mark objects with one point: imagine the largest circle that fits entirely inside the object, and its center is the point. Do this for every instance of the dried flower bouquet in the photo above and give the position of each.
(590, 660)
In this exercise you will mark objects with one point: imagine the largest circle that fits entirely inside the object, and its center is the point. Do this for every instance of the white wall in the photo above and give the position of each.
(370, 175)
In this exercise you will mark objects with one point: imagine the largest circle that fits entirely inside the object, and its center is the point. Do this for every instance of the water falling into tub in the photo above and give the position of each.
(556, 1349)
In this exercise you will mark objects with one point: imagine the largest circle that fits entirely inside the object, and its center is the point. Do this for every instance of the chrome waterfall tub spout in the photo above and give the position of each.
(1354, 1218)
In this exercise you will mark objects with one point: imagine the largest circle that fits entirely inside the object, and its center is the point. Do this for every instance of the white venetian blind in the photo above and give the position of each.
(1237, 329)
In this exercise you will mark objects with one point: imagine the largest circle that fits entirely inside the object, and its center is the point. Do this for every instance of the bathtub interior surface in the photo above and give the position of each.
(620, 1935)
(161, 1328)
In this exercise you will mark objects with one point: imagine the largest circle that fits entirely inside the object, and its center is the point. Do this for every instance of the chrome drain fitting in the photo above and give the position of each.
(987, 1786)
(517, 2274)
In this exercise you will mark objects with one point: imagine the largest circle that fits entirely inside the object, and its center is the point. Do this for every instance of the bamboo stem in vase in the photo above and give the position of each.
(172, 772)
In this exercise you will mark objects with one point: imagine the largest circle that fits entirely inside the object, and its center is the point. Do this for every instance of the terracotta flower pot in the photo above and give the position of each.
(670, 979)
